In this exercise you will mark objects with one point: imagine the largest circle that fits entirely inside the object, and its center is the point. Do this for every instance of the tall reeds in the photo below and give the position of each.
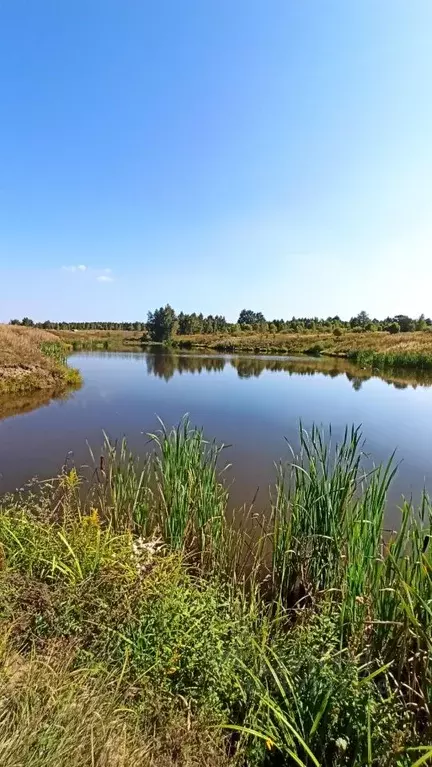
(340, 607)
(393, 359)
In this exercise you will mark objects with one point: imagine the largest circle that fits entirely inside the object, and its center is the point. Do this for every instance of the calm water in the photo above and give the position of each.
(249, 403)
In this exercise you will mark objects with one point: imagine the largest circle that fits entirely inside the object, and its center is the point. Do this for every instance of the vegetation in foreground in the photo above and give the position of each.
(33, 360)
(142, 625)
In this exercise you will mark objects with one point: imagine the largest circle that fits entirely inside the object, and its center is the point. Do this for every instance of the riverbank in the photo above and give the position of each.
(33, 360)
(379, 350)
(345, 344)
(144, 626)
(93, 340)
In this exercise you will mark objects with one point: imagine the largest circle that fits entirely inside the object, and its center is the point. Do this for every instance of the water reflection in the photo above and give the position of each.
(166, 364)
(16, 404)
(253, 403)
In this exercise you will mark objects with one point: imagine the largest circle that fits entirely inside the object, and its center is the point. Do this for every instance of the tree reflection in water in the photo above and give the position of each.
(165, 364)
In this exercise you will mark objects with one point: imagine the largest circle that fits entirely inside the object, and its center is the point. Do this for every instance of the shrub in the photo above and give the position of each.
(393, 328)
(315, 350)
(189, 639)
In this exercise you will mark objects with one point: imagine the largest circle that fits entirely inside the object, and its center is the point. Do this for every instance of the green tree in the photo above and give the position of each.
(421, 323)
(393, 328)
(162, 324)
(360, 321)
(248, 317)
(405, 323)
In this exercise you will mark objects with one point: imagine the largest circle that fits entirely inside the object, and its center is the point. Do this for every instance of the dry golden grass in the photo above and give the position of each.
(23, 365)
(347, 343)
(116, 339)
(53, 715)
(282, 343)
(20, 346)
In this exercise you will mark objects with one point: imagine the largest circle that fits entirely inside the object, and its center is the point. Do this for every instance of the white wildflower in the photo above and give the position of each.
(145, 552)
(342, 744)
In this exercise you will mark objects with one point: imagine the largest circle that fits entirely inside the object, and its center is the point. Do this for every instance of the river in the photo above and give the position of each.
(251, 403)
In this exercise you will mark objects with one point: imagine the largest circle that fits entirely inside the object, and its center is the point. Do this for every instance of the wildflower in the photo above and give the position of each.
(342, 744)
(92, 520)
(71, 479)
(269, 744)
(145, 552)
(94, 517)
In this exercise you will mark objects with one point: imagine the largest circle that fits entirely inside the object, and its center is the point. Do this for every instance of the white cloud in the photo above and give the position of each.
(101, 275)
(104, 278)
(78, 268)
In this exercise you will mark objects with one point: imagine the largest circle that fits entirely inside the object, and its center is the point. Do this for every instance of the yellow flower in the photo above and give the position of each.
(92, 520)
(94, 517)
(269, 744)
(71, 479)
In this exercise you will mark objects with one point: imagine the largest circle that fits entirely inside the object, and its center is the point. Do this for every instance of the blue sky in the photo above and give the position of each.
(215, 154)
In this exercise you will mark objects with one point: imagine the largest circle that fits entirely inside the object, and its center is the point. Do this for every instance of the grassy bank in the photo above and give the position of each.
(346, 344)
(375, 349)
(394, 359)
(32, 360)
(142, 626)
(114, 340)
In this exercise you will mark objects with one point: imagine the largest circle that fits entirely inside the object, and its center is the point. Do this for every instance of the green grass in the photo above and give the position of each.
(56, 351)
(142, 624)
(393, 360)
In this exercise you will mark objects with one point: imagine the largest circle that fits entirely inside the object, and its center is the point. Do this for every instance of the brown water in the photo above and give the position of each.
(251, 403)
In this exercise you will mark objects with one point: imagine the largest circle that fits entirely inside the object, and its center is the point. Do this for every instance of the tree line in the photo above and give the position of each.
(48, 325)
(164, 323)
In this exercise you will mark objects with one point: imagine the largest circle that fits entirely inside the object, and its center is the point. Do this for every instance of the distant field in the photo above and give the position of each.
(344, 345)
(279, 343)
(93, 339)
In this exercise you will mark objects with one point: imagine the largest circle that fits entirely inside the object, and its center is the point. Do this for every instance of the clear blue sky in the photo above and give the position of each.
(215, 154)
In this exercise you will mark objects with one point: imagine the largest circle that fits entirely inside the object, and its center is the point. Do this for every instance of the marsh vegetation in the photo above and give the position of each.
(142, 624)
